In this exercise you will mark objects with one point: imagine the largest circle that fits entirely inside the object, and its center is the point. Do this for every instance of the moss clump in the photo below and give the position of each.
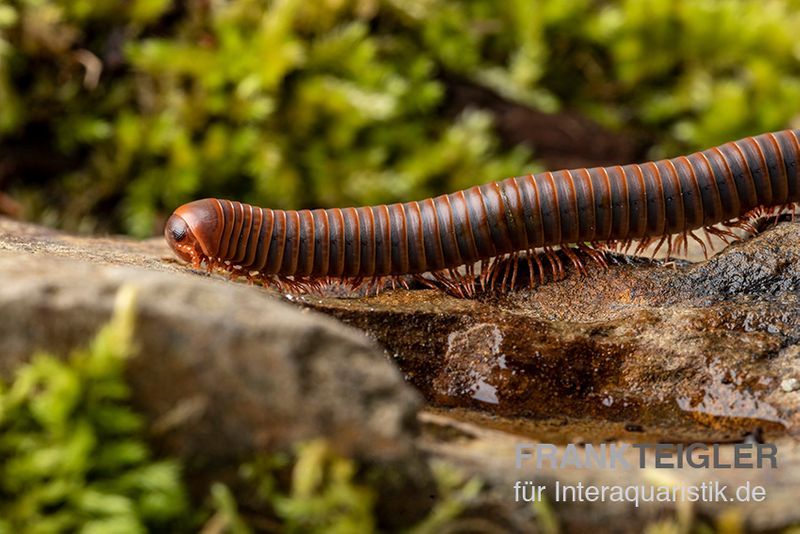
(115, 112)
(144, 105)
(317, 491)
(72, 455)
(73, 458)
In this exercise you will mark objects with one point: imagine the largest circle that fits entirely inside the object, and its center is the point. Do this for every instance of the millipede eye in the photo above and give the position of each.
(177, 229)
(178, 233)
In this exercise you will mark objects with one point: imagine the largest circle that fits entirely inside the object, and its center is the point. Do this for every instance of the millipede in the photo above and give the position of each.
(476, 237)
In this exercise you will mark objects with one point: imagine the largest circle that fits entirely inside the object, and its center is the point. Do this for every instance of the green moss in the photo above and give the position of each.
(281, 103)
(323, 493)
(73, 457)
(131, 108)
(71, 448)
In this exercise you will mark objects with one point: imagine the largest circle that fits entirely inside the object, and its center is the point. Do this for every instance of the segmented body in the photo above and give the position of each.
(619, 204)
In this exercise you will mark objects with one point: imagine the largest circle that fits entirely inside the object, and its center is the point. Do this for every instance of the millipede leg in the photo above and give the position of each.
(515, 260)
(550, 258)
(669, 246)
(722, 233)
(703, 245)
(467, 281)
(555, 263)
(531, 275)
(596, 255)
(493, 268)
(456, 282)
(424, 281)
(486, 266)
(685, 238)
(539, 265)
(680, 239)
(710, 240)
(510, 261)
(626, 246)
(658, 246)
(576, 261)
(643, 244)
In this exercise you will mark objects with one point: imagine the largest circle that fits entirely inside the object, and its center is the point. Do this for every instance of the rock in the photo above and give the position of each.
(222, 370)
(491, 455)
(639, 353)
(790, 384)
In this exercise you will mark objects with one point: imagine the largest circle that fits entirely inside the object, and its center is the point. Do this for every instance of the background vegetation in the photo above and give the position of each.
(74, 457)
(114, 112)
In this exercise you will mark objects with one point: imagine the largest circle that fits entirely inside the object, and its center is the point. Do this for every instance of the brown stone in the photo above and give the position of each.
(222, 371)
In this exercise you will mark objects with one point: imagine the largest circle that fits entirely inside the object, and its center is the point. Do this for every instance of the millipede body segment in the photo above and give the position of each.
(524, 216)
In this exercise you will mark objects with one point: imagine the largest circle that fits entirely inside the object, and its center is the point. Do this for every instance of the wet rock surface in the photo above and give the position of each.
(643, 351)
(638, 352)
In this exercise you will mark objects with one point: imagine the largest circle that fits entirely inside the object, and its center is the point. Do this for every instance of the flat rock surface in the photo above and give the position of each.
(639, 352)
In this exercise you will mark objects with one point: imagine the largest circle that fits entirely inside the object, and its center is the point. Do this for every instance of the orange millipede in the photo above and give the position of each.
(526, 216)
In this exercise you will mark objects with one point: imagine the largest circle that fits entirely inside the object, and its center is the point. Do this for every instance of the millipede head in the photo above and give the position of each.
(194, 229)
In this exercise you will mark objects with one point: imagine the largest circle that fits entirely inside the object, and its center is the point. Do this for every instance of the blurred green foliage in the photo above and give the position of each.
(73, 458)
(71, 452)
(142, 105)
(694, 72)
(323, 494)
